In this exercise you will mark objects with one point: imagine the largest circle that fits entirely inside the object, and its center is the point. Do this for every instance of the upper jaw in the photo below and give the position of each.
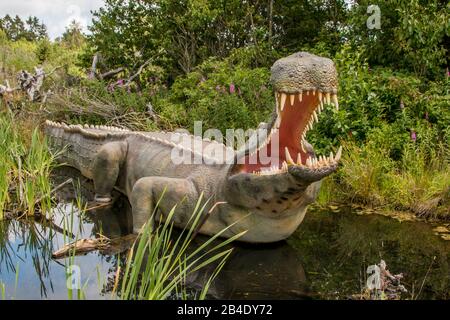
(303, 71)
(304, 85)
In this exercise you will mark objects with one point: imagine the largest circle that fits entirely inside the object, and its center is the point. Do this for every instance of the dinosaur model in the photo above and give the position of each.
(268, 199)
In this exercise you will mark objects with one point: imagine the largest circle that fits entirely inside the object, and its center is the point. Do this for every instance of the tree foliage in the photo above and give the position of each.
(15, 28)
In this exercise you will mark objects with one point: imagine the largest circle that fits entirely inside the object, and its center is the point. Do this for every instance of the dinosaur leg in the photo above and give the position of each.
(106, 168)
(149, 190)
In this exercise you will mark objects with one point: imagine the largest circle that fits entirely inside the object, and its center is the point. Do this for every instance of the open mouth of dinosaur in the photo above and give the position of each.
(285, 145)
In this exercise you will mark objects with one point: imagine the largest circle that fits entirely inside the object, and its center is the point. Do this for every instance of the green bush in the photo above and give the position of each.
(223, 94)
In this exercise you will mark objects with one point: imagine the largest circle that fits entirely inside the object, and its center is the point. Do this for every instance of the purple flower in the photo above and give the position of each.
(413, 136)
(232, 88)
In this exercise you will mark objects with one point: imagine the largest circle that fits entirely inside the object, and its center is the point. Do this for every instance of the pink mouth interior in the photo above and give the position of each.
(294, 119)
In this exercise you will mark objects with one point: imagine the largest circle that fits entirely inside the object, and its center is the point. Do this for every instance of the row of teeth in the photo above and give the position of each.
(312, 163)
(324, 98)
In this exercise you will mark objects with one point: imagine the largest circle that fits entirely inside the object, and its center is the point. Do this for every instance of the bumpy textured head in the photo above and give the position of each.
(304, 85)
(303, 71)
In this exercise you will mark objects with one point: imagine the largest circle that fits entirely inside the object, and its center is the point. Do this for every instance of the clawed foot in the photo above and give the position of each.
(102, 199)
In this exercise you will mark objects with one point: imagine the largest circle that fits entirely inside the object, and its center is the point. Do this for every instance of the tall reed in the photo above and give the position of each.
(158, 264)
(24, 169)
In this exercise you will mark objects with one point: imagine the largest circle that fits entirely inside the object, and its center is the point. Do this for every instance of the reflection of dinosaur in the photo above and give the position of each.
(254, 272)
(269, 199)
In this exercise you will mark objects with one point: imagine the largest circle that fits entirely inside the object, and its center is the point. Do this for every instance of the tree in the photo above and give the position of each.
(16, 29)
(35, 30)
(413, 35)
(73, 35)
(191, 31)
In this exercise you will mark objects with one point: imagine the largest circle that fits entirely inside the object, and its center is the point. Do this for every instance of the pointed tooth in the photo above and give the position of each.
(314, 92)
(307, 92)
(299, 158)
(283, 100)
(300, 96)
(288, 156)
(315, 116)
(308, 162)
(277, 104)
(320, 95)
(338, 154)
(302, 145)
(327, 97)
(335, 101)
(277, 122)
(331, 156)
(291, 98)
(284, 165)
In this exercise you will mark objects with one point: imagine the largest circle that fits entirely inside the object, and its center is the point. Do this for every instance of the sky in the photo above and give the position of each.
(56, 14)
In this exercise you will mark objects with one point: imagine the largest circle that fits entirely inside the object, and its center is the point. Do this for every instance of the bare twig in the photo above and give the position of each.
(425, 278)
(130, 79)
(54, 69)
(111, 73)
(54, 190)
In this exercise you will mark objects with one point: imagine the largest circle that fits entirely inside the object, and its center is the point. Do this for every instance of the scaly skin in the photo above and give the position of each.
(269, 204)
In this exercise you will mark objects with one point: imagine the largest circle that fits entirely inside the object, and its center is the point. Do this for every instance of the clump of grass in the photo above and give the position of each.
(417, 182)
(24, 170)
(158, 264)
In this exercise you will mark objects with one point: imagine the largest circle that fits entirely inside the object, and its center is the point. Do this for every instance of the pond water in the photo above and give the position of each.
(326, 257)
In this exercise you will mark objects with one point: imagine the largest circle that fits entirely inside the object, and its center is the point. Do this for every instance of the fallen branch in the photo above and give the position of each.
(111, 73)
(102, 243)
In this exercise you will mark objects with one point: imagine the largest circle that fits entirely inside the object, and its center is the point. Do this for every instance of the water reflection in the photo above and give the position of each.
(337, 248)
(325, 258)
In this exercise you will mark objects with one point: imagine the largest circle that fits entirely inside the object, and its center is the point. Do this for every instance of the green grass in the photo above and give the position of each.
(158, 264)
(418, 182)
(24, 170)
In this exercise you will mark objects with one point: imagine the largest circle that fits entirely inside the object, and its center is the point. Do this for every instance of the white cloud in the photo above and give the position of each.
(56, 14)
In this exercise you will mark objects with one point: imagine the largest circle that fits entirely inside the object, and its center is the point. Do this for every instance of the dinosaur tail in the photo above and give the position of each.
(77, 145)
